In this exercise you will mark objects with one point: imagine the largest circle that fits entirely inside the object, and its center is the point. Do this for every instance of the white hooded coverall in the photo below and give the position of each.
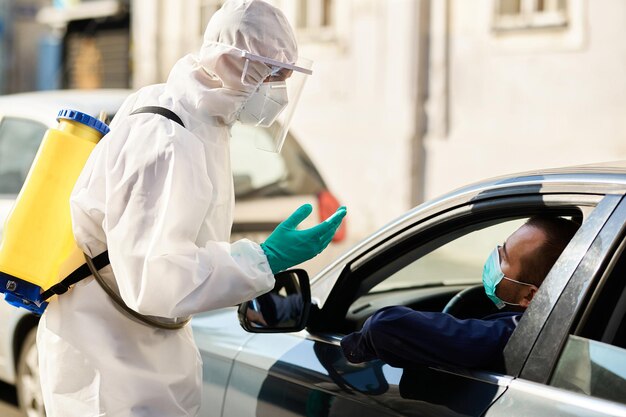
(160, 198)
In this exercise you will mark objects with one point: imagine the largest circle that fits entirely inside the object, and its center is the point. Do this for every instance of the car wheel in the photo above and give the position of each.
(29, 395)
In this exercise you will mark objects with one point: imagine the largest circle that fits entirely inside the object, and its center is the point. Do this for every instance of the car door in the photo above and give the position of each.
(307, 374)
(219, 339)
(312, 377)
(577, 367)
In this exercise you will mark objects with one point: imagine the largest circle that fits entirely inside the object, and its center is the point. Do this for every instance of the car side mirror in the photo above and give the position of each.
(284, 309)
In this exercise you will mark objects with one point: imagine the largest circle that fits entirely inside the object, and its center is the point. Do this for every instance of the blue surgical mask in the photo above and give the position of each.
(492, 275)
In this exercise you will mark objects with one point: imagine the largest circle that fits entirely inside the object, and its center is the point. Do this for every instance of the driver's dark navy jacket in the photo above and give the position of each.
(406, 338)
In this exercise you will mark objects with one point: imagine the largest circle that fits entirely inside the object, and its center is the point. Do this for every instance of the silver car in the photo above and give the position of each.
(268, 188)
(567, 357)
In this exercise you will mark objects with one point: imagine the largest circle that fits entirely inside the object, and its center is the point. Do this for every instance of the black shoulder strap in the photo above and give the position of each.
(167, 113)
(79, 273)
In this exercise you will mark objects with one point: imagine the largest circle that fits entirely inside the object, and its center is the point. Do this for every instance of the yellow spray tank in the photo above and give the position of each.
(38, 247)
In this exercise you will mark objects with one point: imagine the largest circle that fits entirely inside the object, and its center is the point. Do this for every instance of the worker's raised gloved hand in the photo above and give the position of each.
(287, 246)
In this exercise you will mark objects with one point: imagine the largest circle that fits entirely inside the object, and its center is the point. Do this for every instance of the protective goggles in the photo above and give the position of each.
(288, 80)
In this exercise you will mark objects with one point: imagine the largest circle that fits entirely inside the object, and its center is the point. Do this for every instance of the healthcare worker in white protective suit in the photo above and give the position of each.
(159, 197)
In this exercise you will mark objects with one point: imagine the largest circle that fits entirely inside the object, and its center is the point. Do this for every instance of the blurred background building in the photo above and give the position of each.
(409, 98)
(52, 44)
(521, 84)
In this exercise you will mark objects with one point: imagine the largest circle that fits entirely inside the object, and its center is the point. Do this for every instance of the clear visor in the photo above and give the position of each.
(285, 84)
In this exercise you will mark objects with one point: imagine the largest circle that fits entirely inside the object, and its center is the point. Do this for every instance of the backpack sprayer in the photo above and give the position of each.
(38, 248)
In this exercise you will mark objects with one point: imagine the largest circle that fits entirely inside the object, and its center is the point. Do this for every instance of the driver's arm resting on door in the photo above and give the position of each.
(406, 338)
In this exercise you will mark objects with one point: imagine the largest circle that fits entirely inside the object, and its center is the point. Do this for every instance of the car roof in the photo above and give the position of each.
(44, 106)
(596, 179)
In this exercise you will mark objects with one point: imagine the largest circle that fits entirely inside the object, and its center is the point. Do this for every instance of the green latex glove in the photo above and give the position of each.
(287, 246)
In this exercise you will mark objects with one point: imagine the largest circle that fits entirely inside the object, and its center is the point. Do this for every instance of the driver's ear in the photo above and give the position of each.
(527, 295)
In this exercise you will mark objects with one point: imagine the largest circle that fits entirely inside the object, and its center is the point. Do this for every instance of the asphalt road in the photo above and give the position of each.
(8, 401)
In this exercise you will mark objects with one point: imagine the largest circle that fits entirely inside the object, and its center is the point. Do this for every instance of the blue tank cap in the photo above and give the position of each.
(85, 119)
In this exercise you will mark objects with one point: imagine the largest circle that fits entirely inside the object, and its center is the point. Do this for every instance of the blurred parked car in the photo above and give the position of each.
(268, 188)
(567, 357)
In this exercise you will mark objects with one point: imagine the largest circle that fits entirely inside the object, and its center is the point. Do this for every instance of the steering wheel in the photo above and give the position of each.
(472, 302)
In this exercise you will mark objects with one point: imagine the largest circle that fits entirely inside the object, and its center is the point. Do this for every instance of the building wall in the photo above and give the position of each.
(5, 28)
(162, 32)
(521, 100)
(22, 35)
(356, 116)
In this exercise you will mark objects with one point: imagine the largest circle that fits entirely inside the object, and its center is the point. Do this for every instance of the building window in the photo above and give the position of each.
(530, 14)
(313, 14)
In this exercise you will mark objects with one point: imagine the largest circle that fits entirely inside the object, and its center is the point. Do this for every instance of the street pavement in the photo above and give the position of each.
(8, 401)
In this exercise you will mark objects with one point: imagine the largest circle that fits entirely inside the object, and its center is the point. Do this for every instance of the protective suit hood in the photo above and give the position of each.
(210, 83)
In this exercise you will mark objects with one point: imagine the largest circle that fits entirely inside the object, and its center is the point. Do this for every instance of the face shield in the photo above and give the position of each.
(272, 105)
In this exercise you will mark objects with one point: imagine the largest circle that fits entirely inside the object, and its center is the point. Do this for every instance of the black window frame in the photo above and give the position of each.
(571, 300)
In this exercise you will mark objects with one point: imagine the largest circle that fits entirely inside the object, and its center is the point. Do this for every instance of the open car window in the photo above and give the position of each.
(458, 262)
(424, 267)
(429, 282)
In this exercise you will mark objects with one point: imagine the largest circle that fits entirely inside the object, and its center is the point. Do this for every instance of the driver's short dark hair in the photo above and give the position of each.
(558, 231)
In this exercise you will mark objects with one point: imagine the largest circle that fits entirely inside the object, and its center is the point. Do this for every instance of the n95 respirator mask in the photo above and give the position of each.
(265, 104)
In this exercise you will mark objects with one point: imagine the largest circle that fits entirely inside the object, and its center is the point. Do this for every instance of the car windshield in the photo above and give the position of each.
(19, 141)
(253, 169)
(259, 173)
